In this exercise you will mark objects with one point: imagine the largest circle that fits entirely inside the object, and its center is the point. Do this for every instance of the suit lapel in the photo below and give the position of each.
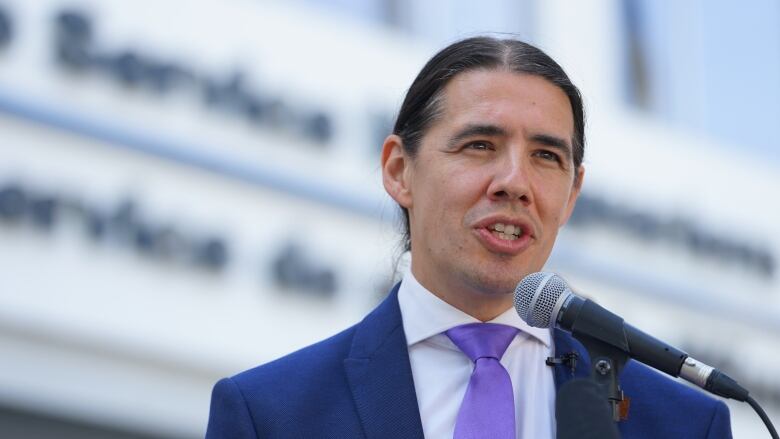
(564, 344)
(380, 375)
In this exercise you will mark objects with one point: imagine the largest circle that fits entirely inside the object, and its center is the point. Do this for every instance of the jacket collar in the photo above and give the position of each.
(380, 375)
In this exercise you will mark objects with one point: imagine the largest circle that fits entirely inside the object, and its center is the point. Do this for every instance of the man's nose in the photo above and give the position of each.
(511, 179)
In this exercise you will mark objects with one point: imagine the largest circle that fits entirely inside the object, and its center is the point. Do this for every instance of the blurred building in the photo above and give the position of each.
(189, 189)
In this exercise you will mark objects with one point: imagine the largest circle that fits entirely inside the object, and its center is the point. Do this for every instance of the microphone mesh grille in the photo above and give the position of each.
(524, 293)
(535, 305)
(548, 297)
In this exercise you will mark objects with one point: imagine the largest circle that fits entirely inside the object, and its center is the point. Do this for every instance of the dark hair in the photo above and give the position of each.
(422, 104)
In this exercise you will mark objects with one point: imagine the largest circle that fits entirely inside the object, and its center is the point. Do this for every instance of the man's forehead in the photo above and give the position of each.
(481, 89)
(497, 102)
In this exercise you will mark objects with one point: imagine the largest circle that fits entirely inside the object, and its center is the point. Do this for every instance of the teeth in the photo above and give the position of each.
(508, 229)
(508, 237)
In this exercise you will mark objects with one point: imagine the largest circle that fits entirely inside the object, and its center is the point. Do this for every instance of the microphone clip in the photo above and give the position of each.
(568, 359)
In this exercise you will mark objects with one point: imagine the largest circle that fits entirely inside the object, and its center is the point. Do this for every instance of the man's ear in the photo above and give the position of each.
(395, 171)
(575, 193)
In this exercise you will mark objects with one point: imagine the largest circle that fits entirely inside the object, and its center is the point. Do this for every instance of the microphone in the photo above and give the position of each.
(544, 300)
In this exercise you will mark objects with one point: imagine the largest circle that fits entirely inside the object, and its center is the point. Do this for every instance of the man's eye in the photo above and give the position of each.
(549, 155)
(480, 146)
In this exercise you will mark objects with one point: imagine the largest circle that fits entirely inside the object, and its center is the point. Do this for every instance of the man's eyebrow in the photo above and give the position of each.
(553, 142)
(476, 130)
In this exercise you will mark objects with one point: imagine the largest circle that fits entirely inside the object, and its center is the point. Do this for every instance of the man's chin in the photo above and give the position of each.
(493, 285)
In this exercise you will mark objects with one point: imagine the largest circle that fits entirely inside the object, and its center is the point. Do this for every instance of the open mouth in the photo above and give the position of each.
(507, 232)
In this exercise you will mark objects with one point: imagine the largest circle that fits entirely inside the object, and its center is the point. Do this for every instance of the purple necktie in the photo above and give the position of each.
(488, 409)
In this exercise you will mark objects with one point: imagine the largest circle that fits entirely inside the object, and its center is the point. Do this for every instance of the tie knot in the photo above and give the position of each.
(480, 340)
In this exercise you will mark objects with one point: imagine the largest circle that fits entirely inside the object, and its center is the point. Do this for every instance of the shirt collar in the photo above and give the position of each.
(425, 315)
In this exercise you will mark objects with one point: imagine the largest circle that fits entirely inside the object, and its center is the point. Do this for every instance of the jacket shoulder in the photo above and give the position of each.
(307, 393)
(663, 407)
(302, 394)
(308, 376)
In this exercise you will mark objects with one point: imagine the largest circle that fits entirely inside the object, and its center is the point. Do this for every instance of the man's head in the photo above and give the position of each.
(490, 136)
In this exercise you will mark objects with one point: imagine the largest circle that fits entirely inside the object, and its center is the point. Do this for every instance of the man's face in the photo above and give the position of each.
(492, 182)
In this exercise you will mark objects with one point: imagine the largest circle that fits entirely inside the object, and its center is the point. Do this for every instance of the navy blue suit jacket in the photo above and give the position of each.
(358, 384)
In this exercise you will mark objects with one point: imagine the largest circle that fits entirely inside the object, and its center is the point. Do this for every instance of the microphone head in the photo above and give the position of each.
(539, 297)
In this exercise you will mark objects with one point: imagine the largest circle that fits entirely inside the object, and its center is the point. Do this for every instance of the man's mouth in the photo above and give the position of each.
(508, 232)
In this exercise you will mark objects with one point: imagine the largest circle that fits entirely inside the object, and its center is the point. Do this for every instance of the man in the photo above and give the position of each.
(485, 161)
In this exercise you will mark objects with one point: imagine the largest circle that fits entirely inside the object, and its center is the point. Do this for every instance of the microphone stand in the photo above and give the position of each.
(607, 363)
(604, 338)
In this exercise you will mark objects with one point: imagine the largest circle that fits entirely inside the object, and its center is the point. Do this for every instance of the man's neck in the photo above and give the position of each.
(483, 307)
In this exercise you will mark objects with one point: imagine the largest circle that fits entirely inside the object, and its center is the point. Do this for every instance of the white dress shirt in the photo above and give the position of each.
(441, 371)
